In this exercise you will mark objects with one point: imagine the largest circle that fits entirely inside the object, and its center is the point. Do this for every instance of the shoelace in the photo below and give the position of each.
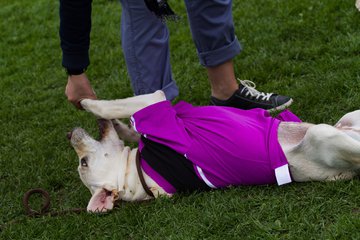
(250, 86)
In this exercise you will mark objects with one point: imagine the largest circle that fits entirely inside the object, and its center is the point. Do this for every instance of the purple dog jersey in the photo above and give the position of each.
(227, 146)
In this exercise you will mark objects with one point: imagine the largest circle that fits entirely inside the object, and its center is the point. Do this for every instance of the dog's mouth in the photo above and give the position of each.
(102, 200)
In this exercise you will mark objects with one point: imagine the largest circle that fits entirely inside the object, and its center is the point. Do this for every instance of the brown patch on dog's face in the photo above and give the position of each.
(104, 127)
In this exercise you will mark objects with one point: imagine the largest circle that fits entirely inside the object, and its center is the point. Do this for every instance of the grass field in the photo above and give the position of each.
(307, 49)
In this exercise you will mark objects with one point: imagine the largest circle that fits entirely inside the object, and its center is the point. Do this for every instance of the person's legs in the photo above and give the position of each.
(214, 36)
(213, 33)
(146, 49)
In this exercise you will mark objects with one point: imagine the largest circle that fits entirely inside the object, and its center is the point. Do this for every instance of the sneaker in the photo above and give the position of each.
(247, 97)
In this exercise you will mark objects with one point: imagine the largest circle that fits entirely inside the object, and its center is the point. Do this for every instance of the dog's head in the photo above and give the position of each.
(102, 164)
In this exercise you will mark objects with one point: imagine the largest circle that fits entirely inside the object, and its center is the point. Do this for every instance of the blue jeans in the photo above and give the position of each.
(145, 42)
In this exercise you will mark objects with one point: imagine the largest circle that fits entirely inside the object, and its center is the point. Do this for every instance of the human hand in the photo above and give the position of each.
(78, 88)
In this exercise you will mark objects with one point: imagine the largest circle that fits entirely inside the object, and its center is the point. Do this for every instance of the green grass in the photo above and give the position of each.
(305, 49)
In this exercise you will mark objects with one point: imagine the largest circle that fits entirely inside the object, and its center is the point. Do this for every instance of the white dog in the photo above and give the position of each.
(303, 151)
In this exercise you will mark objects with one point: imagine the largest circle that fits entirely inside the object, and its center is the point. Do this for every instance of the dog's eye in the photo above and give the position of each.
(83, 162)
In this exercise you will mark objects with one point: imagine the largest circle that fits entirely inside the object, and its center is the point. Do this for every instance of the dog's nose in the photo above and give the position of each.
(68, 135)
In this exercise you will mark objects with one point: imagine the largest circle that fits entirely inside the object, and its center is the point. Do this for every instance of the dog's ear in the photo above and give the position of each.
(107, 131)
(101, 201)
(125, 132)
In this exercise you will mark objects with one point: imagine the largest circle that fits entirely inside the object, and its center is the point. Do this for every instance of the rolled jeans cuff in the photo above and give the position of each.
(171, 91)
(216, 57)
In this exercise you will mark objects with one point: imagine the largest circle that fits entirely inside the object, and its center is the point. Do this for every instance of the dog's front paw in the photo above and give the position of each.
(92, 106)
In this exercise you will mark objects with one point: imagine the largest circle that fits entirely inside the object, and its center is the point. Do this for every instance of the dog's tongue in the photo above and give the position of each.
(101, 201)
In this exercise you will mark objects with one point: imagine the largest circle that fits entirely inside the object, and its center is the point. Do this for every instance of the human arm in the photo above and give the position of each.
(75, 27)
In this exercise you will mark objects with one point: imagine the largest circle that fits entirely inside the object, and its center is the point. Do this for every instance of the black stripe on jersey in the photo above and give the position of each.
(172, 166)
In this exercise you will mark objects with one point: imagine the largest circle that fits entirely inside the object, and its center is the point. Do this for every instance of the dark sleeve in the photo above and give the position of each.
(75, 27)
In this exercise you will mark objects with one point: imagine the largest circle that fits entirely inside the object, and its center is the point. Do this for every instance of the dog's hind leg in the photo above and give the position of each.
(325, 153)
(350, 124)
(121, 108)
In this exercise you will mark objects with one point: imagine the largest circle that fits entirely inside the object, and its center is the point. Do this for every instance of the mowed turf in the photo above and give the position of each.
(309, 50)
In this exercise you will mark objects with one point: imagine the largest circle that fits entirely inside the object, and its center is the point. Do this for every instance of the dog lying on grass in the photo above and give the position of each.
(183, 148)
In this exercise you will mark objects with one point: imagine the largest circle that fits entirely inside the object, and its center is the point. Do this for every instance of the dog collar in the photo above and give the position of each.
(141, 176)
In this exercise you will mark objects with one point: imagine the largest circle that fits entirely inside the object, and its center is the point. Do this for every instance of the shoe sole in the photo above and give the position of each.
(281, 107)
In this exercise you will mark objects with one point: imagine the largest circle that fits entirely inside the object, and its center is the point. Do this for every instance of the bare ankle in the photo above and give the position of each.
(222, 80)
